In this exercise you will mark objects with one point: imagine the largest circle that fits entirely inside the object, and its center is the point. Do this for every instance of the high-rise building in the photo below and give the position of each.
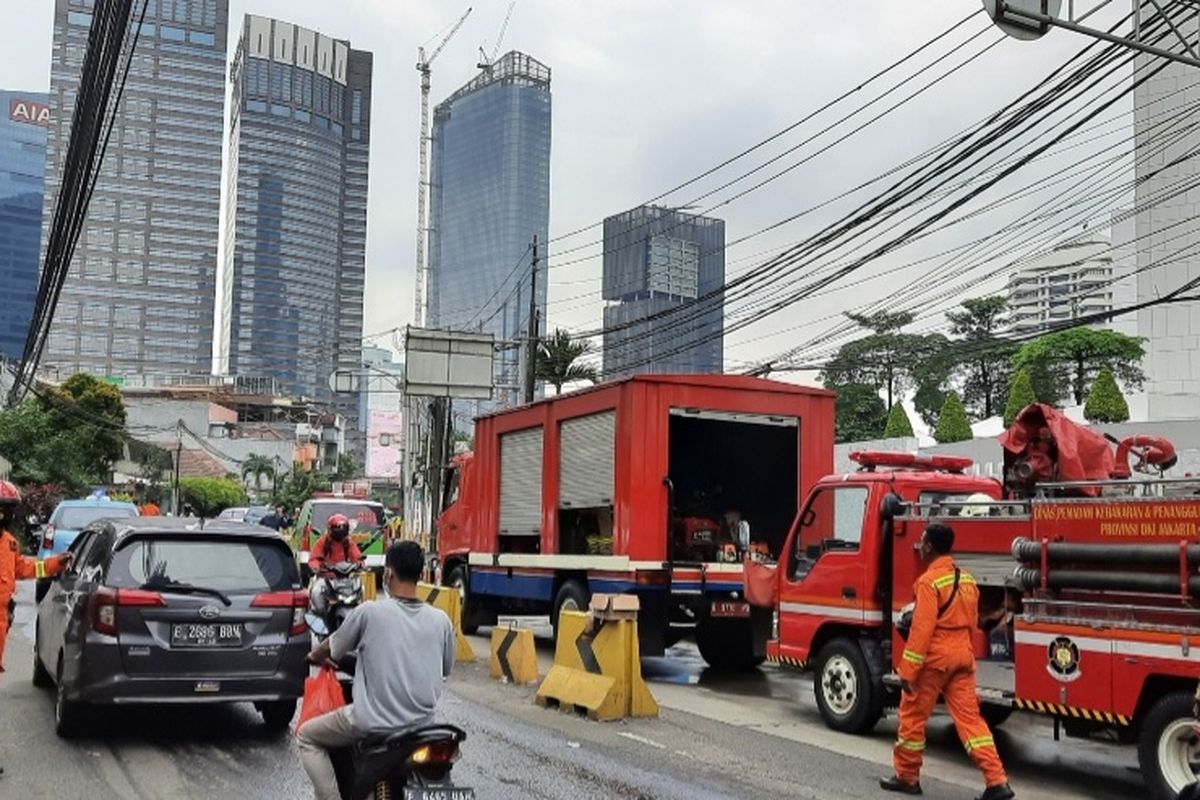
(1073, 280)
(1167, 228)
(294, 257)
(490, 195)
(139, 296)
(663, 273)
(22, 173)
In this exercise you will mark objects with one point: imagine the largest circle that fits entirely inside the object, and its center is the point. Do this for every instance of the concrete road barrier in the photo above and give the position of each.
(597, 666)
(514, 657)
(448, 600)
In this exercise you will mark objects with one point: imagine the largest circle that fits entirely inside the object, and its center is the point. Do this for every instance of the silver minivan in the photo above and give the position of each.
(165, 610)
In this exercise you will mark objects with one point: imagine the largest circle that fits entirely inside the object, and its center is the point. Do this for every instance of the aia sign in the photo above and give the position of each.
(29, 112)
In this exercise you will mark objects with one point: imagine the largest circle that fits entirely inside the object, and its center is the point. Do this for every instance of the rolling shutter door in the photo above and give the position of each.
(521, 483)
(586, 463)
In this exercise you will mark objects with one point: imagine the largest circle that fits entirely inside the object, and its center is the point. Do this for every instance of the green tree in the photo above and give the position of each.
(953, 425)
(860, 413)
(347, 468)
(983, 365)
(1073, 358)
(258, 466)
(556, 357)
(92, 414)
(1105, 403)
(886, 359)
(293, 488)
(897, 423)
(1020, 395)
(210, 496)
(41, 451)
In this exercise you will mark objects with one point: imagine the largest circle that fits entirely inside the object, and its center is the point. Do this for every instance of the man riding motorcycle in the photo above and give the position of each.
(405, 650)
(335, 546)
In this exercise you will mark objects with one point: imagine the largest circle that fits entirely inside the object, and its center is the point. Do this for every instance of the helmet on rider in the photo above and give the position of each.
(10, 496)
(339, 527)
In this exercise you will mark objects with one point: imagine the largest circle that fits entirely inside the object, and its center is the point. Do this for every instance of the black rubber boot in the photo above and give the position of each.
(894, 784)
(1001, 792)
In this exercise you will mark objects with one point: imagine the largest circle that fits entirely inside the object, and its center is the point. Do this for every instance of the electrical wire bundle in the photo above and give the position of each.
(98, 99)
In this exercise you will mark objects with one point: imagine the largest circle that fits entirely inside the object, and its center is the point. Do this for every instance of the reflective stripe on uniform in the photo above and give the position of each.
(978, 742)
(39, 569)
(914, 658)
(913, 745)
(948, 580)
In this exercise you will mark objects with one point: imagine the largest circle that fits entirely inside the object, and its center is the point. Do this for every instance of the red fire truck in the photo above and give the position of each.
(658, 485)
(1089, 586)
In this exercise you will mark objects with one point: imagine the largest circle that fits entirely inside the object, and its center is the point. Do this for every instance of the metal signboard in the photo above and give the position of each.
(448, 364)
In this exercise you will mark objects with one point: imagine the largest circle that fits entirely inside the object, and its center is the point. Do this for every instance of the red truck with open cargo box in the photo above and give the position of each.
(659, 485)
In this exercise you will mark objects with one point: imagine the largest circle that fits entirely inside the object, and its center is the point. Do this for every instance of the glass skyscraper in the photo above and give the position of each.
(664, 269)
(490, 194)
(291, 286)
(139, 296)
(26, 116)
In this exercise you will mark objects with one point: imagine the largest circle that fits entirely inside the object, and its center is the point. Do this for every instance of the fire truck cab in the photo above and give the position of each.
(1089, 599)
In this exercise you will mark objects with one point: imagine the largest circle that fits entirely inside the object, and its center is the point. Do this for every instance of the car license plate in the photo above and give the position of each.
(439, 793)
(204, 634)
(721, 608)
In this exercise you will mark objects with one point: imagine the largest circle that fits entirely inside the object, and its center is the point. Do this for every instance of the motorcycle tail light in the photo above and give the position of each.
(437, 753)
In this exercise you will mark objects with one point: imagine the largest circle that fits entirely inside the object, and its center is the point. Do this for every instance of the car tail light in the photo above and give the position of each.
(296, 600)
(105, 600)
(48, 537)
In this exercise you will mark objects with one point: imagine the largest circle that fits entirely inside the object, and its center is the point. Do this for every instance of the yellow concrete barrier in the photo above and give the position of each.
(597, 666)
(370, 590)
(448, 600)
(513, 658)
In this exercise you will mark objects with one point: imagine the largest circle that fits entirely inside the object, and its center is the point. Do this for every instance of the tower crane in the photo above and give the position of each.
(485, 61)
(423, 67)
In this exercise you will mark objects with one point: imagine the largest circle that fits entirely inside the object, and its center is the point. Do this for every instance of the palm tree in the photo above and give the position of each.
(556, 359)
(258, 466)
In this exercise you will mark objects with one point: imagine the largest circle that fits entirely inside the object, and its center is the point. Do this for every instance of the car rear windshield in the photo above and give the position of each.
(76, 518)
(226, 563)
(362, 516)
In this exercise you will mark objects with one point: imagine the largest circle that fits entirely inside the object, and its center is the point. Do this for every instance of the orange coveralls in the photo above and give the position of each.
(939, 659)
(15, 567)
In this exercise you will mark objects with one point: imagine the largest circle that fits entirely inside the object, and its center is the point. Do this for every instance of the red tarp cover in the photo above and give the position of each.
(762, 583)
(1083, 454)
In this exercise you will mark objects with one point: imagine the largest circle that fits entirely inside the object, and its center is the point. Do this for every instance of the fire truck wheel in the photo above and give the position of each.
(847, 697)
(727, 644)
(457, 579)
(1169, 745)
(572, 596)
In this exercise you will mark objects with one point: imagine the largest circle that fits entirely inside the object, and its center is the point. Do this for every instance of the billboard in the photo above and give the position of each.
(28, 111)
(385, 444)
(448, 364)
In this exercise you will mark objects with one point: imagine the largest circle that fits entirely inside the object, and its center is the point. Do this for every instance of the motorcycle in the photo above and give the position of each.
(332, 595)
(414, 766)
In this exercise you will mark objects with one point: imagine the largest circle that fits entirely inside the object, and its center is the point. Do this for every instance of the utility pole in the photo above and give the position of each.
(178, 456)
(531, 358)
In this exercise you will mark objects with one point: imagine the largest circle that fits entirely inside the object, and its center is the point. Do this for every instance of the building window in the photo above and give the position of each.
(280, 111)
(356, 106)
(79, 18)
(302, 116)
(256, 105)
(174, 34)
(199, 37)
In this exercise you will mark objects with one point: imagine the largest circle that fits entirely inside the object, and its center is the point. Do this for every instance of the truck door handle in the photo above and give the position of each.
(849, 592)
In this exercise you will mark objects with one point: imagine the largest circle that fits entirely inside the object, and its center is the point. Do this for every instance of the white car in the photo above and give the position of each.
(237, 514)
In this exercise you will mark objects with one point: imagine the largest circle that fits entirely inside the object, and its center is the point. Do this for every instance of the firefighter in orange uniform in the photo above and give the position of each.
(14, 566)
(939, 659)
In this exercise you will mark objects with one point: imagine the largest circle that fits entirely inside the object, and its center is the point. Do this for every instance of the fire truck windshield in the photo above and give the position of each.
(833, 520)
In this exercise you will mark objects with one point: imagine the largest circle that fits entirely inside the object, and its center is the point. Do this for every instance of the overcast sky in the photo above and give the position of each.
(645, 96)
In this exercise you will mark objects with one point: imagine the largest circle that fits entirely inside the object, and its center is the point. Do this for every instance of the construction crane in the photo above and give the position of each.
(485, 61)
(423, 67)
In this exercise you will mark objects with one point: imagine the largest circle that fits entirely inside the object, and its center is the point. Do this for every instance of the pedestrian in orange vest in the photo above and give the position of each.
(14, 566)
(939, 659)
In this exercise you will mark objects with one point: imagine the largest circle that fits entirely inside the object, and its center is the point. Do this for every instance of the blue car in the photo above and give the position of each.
(72, 516)
(68, 519)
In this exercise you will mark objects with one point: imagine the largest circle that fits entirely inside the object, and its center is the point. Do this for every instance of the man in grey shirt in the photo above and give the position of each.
(405, 652)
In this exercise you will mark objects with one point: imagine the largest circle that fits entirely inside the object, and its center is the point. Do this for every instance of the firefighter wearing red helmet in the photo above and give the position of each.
(14, 566)
(335, 546)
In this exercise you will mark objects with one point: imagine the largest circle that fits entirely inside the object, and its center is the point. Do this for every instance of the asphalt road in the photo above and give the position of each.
(746, 737)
